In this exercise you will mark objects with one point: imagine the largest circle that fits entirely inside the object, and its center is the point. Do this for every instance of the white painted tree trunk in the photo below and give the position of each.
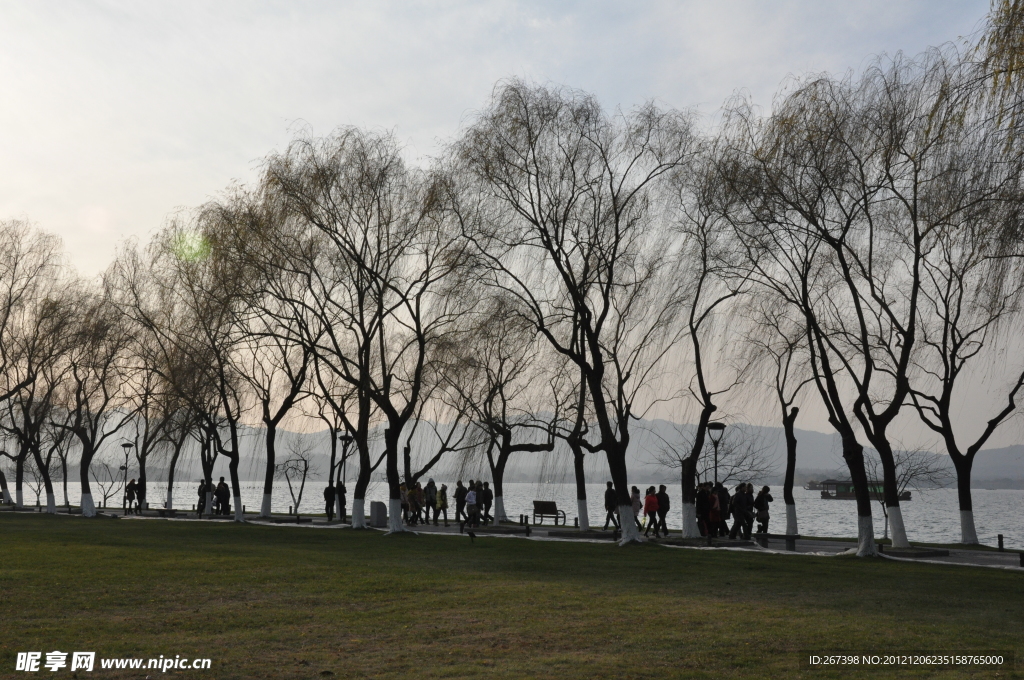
(209, 502)
(337, 506)
(627, 521)
(19, 497)
(7, 495)
(239, 515)
(899, 532)
(395, 524)
(690, 527)
(51, 504)
(265, 506)
(499, 510)
(968, 534)
(358, 514)
(88, 507)
(581, 510)
(866, 537)
(791, 527)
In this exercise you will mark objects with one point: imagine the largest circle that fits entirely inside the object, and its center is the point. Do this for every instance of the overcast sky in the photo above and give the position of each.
(112, 115)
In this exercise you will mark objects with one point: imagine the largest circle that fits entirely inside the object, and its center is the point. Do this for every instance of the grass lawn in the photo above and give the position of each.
(286, 602)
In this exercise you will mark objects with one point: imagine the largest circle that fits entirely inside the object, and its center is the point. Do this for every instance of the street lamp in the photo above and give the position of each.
(715, 431)
(127, 446)
(346, 439)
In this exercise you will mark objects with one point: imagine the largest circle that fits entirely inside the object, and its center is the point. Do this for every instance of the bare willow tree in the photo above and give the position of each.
(500, 375)
(714, 276)
(778, 344)
(377, 260)
(94, 392)
(562, 204)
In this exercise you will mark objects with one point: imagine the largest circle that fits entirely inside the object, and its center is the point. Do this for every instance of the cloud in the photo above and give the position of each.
(146, 107)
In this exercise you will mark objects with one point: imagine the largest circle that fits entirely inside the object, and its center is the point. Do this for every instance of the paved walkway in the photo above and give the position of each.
(980, 557)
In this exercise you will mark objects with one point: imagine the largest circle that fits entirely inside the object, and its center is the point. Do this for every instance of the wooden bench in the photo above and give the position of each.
(544, 509)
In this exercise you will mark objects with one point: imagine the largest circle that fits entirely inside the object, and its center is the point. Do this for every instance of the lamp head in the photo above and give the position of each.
(126, 446)
(715, 431)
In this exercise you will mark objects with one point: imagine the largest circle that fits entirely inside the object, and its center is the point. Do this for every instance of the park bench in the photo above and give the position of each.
(544, 509)
(166, 512)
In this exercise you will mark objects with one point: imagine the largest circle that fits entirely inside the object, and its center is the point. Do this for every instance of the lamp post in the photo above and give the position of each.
(715, 431)
(127, 446)
(346, 439)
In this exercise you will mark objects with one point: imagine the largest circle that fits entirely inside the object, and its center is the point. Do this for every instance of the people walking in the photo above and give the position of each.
(651, 511)
(723, 509)
(739, 510)
(129, 493)
(223, 494)
(201, 505)
(487, 500)
(761, 506)
(638, 506)
(663, 506)
(430, 501)
(472, 512)
(442, 504)
(714, 513)
(329, 497)
(610, 506)
(460, 502)
(748, 520)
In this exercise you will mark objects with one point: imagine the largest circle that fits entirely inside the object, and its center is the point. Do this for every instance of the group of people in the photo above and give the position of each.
(221, 498)
(715, 505)
(418, 502)
(331, 495)
(653, 508)
(131, 495)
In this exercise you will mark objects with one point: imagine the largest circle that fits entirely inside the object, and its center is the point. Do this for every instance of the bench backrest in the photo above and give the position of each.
(545, 507)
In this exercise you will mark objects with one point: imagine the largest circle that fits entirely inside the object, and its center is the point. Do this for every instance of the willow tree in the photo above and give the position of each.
(561, 202)
(378, 262)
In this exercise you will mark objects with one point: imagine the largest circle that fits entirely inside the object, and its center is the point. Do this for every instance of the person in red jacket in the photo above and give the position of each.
(651, 511)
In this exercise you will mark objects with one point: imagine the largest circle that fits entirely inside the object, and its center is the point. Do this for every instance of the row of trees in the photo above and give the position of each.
(559, 271)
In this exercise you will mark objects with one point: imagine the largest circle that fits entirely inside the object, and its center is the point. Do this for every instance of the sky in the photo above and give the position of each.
(113, 115)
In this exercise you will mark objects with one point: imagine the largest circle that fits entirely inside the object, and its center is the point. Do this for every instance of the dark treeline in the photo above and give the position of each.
(554, 274)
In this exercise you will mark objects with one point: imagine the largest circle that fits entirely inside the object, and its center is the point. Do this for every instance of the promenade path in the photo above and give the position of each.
(952, 554)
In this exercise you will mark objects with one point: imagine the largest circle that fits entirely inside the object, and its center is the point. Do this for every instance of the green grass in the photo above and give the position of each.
(286, 602)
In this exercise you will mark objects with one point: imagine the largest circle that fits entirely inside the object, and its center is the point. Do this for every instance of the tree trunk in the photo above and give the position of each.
(891, 491)
(3, 487)
(963, 464)
(853, 454)
(19, 477)
(395, 524)
(788, 422)
(497, 467)
(581, 488)
(64, 479)
(141, 493)
(44, 470)
(170, 473)
(689, 474)
(268, 479)
(616, 455)
(88, 507)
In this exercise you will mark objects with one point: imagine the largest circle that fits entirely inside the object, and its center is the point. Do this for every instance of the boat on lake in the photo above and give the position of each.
(842, 489)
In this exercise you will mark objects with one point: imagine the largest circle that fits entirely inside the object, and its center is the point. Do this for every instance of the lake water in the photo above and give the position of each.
(931, 517)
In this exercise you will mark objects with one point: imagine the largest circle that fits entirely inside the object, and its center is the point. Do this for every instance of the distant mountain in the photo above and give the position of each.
(818, 454)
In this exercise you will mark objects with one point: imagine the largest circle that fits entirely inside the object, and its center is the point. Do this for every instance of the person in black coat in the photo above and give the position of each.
(663, 505)
(460, 502)
(739, 510)
(724, 499)
(223, 494)
(761, 506)
(610, 506)
(329, 496)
